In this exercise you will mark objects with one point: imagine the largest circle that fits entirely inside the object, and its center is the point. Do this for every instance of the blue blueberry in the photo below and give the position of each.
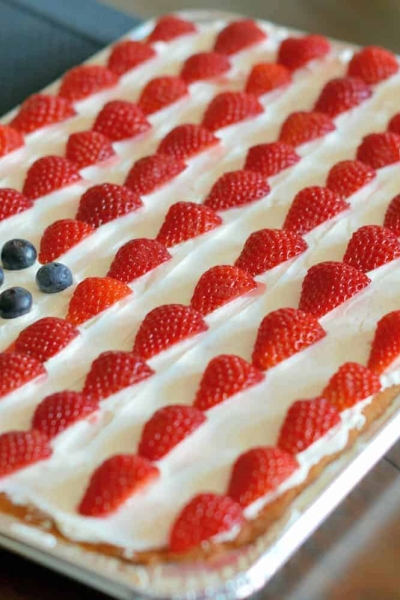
(53, 277)
(18, 254)
(15, 302)
(1, 276)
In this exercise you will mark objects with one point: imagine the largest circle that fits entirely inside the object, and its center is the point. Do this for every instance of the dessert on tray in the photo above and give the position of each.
(200, 293)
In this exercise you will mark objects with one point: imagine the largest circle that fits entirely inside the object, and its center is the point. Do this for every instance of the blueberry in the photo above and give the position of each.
(15, 302)
(53, 277)
(18, 254)
(1, 276)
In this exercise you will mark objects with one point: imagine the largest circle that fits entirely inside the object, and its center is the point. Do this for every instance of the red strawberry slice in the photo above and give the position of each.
(329, 284)
(281, 334)
(127, 55)
(271, 159)
(88, 148)
(311, 207)
(59, 411)
(225, 376)
(10, 140)
(94, 295)
(306, 422)
(49, 174)
(238, 36)
(394, 124)
(204, 517)
(370, 247)
(373, 64)
(351, 384)
(166, 326)
(258, 472)
(16, 370)
(229, 108)
(267, 248)
(392, 216)
(186, 220)
(266, 77)
(237, 188)
(219, 286)
(152, 172)
(115, 481)
(342, 94)
(41, 110)
(114, 371)
(161, 92)
(204, 65)
(167, 428)
(186, 141)
(85, 80)
(295, 53)
(348, 176)
(12, 203)
(121, 120)
(302, 127)
(170, 27)
(385, 347)
(136, 258)
(61, 236)
(106, 202)
(379, 149)
(45, 338)
(20, 449)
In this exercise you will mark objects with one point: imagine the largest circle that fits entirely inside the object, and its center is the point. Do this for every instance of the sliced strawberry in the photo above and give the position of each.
(186, 220)
(306, 422)
(45, 338)
(265, 77)
(379, 149)
(370, 247)
(128, 55)
(281, 334)
(204, 517)
(85, 80)
(161, 92)
(342, 94)
(170, 27)
(136, 258)
(106, 202)
(59, 411)
(237, 188)
(295, 53)
(258, 472)
(166, 326)
(61, 236)
(219, 286)
(88, 148)
(228, 108)
(238, 36)
(311, 207)
(225, 376)
(267, 248)
(329, 284)
(152, 172)
(186, 141)
(114, 371)
(41, 110)
(385, 347)
(392, 215)
(373, 64)
(302, 127)
(20, 449)
(49, 174)
(16, 370)
(351, 384)
(394, 124)
(12, 203)
(94, 295)
(121, 120)
(204, 65)
(10, 140)
(167, 428)
(114, 482)
(270, 159)
(348, 176)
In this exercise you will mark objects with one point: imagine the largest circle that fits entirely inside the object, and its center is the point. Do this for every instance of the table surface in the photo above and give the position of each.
(355, 554)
